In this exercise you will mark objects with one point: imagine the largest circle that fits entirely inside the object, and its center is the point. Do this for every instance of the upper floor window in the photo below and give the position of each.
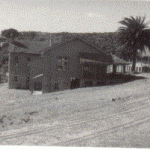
(88, 68)
(28, 59)
(16, 60)
(62, 63)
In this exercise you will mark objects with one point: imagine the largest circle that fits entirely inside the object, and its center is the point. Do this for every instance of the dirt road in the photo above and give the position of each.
(81, 117)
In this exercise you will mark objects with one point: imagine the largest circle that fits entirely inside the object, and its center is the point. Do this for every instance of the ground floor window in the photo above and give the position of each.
(119, 68)
(127, 68)
(15, 78)
(56, 85)
(109, 68)
(140, 69)
(130, 68)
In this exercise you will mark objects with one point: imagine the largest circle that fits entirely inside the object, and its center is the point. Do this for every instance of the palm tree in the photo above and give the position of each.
(134, 35)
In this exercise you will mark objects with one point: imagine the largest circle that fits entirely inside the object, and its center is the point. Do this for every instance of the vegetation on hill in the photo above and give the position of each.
(105, 41)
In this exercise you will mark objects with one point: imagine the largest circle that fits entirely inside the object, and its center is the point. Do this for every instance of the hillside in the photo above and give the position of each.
(105, 41)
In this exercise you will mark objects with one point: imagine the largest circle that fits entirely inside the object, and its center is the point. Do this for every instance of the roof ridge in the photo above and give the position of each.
(75, 37)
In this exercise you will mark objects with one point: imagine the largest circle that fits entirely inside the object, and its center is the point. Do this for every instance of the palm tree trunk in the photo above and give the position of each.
(134, 60)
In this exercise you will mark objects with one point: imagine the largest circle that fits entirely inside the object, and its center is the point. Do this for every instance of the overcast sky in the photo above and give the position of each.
(69, 15)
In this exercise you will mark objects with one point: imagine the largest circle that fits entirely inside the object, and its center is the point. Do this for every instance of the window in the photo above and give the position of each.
(27, 82)
(56, 85)
(89, 68)
(126, 68)
(109, 68)
(137, 69)
(15, 78)
(16, 59)
(28, 79)
(28, 61)
(86, 68)
(88, 72)
(119, 69)
(130, 68)
(28, 58)
(62, 63)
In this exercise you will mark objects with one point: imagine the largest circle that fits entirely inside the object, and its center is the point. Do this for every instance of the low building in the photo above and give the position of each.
(120, 65)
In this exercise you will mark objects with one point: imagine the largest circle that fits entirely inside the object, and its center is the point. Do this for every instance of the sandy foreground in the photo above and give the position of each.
(82, 117)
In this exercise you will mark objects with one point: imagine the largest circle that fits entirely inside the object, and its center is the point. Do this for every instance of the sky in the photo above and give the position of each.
(69, 15)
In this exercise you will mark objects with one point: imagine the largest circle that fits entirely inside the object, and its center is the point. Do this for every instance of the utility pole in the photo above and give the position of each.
(50, 40)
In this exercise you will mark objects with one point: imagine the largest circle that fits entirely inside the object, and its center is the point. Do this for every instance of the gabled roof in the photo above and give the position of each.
(34, 47)
(72, 39)
(104, 56)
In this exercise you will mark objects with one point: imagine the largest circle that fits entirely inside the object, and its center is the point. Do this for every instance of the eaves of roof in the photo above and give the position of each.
(117, 60)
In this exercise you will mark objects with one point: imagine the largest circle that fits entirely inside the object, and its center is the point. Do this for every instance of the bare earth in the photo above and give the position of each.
(80, 117)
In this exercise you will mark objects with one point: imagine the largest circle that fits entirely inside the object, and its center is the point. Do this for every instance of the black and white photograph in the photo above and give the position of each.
(75, 74)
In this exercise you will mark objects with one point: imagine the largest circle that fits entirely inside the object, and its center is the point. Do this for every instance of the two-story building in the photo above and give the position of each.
(70, 64)
(21, 62)
(75, 63)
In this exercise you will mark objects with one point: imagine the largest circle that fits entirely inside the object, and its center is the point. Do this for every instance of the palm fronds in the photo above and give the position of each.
(133, 35)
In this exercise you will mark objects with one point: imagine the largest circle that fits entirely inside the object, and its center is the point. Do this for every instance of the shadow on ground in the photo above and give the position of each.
(113, 79)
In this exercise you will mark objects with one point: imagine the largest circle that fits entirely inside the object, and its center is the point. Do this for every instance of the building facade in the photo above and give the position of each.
(24, 64)
(71, 64)
(21, 69)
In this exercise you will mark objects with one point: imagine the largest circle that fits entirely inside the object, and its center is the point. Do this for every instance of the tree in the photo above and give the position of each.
(33, 35)
(134, 35)
(9, 37)
(10, 33)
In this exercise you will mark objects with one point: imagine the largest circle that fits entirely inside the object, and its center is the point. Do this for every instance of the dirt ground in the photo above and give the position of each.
(85, 117)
